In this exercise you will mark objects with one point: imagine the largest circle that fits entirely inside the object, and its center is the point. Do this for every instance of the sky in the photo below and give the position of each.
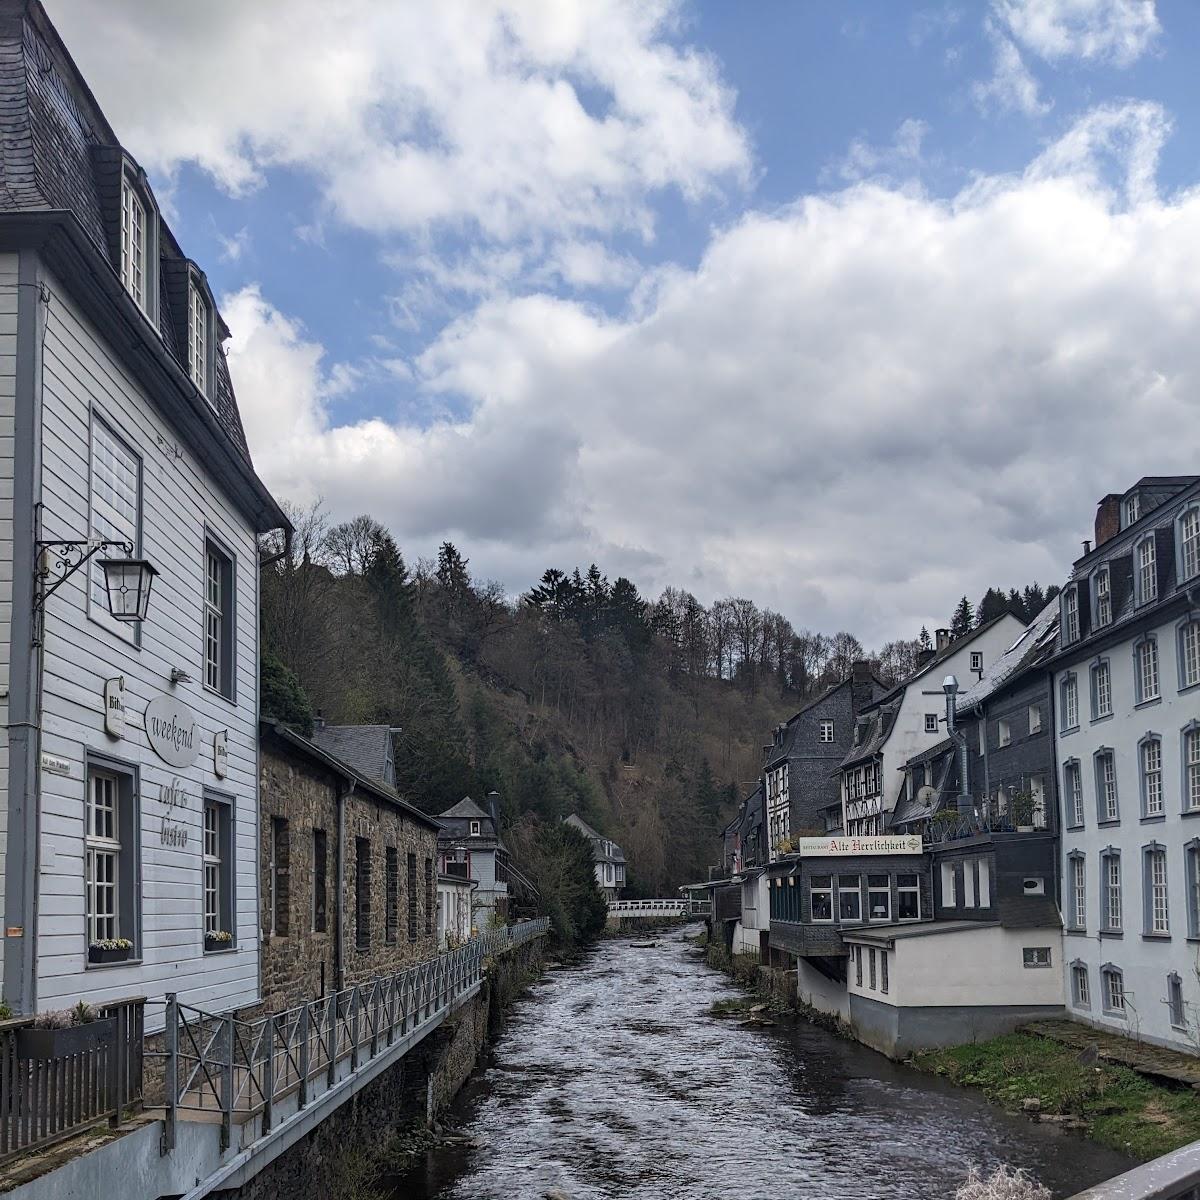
(848, 307)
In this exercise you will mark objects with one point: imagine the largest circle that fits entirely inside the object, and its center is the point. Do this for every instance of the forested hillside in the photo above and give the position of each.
(645, 716)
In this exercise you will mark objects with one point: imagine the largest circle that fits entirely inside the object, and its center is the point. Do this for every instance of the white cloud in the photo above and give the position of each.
(863, 160)
(1104, 31)
(1012, 88)
(232, 248)
(503, 117)
(854, 409)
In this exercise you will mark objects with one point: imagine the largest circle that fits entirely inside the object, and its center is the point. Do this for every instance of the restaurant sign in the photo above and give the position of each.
(847, 847)
(171, 731)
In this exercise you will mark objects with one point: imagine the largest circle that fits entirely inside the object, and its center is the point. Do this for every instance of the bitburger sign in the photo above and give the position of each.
(171, 731)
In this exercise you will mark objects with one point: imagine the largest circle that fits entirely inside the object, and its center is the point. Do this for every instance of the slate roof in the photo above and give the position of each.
(367, 747)
(786, 747)
(465, 809)
(60, 155)
(879, 722)
(1036, 643)
(597, 840)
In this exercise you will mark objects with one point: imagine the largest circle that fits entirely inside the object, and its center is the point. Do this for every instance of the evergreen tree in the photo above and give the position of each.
(963, 619)
(925, 640)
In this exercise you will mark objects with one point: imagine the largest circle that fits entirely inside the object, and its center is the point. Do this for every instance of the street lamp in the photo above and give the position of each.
(127, 581)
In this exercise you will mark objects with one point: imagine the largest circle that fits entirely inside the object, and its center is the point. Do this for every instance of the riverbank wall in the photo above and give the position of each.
(372, 1134)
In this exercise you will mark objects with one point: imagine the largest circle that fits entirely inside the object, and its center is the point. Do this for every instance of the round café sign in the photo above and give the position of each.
(171, 730)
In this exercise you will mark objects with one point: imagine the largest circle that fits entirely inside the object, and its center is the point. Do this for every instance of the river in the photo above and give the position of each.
(611, 1081)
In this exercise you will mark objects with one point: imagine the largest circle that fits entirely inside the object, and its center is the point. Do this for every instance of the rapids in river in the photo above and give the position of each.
(612, 1082)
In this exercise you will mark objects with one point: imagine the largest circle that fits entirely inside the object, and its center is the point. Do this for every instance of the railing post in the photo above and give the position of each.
(303, 1035)
(171, 1083)
(331, 1013)
(354, 1007)
(269, 1074)
(227, 1085)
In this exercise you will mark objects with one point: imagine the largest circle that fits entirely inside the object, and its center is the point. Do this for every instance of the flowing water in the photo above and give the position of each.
(611, 1081)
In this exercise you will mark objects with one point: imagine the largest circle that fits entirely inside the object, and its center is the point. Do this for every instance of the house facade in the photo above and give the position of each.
(608, 857)
(470, 836)
(1127, 695)
(128, 749)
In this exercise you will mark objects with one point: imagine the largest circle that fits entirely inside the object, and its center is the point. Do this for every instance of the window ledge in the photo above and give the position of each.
(1189, 687)
(1148, 703)
(1100, 720)
(1154, 820)
(1068, 732)
(1073, 932)
(1070, 828)
(220, 695)
(222, 950)
(1116, 1014)
(1156, 937)
(108, 966)
(1190, 812)
(1108, 824)
(1112, 933)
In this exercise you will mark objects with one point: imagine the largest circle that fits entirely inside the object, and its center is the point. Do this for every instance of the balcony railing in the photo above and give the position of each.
(219, 1066)
(985, 820)
(44, 1099)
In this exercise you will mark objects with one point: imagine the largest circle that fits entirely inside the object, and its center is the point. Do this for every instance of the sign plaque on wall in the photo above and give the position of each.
(839, 847)
(173, 830)
(114, 706)
(171, 731)
(53, 765)
(221, 753)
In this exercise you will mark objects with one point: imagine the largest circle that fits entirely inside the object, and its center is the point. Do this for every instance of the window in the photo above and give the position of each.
(135, 249)
(116, 510)
(1070, 615)
(908, 897)
(1003, 733)
(827, 731)
(858, 966)
(198, 338)
(883, 970)
(412, 897)
(820, 897)
(1114, 989)
(103, 857)
(1147, 571)
(1191, 768)
(976, 660)
(1146, 670)
(1069, 693)
(985, 882)
(1103, 585)
(1107, 808)
(1152, 789)
(1035, 718)
(949, 886)
(849, 898)
(217, 857)
(1154, 867)
(429, 896)
(212, 869)
(218, 620)
(474, 828)
(362, 893)
(1189, 544)
(871, 960)
(1081, 992)
(1110, 891)
(1131, 510)
(879, 898)
(1101, 690)
(1189, 654)
(931, 723)
(1175, 1001)
(320, 886)
(278, 877)
(1077, 912)
(969, 899)
(1035, 956)
(391, 894)
(1073, 787)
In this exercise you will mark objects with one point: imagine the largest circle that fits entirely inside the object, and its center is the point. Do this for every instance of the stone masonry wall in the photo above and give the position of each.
(298, 959)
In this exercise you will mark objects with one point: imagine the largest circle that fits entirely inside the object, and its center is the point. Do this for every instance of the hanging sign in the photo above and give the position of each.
(114, 706)
(221, 754)
(171, 731)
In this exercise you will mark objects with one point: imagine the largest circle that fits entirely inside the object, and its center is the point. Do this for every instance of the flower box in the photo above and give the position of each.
(99, 954)
(57, 1043)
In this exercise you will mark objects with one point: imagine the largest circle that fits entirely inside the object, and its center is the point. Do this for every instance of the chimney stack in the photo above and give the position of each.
(943, 639)
(862, 686)
(493, 807)
(1108, 518)
(319, 720)
(925, 657)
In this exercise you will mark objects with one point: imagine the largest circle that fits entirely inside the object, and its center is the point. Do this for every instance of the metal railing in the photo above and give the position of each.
(952, 827)
(47, 1096)
(1174, 1176)
(657, 907)
(217, 1064)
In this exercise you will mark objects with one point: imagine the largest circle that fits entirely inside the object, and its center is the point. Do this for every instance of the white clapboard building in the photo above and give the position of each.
(128, 748)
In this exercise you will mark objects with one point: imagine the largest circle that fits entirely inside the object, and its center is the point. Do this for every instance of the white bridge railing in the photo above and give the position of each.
(657, 908)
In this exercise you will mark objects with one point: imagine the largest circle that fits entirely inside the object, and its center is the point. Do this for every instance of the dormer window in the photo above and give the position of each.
(1103, 596)
(474, 828)
(198, 319)
(1189, 543)
(1070, 615)
(1147, 571)
(1131, 510)
(134, 247)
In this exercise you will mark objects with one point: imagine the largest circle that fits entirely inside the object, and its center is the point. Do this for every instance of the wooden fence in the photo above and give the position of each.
(45, 1099)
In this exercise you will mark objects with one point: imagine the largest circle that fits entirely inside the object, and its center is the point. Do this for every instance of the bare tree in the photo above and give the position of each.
(348, 547)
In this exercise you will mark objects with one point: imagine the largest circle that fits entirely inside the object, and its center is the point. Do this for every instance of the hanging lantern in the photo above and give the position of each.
(127, 582)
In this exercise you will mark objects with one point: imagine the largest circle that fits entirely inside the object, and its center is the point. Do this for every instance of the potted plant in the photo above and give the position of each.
(65, 1031)
(218, 939)
(1022, 811)
(109, 950)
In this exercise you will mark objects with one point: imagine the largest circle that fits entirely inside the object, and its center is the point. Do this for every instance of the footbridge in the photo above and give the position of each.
(624, 910)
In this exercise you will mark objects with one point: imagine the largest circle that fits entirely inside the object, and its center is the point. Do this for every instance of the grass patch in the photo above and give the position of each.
(733, 1008)
(1123, 1109)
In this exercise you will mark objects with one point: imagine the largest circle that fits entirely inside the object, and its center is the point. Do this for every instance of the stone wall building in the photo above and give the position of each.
(323, 821)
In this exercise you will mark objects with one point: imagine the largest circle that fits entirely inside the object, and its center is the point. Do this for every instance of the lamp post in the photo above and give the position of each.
(127, 581)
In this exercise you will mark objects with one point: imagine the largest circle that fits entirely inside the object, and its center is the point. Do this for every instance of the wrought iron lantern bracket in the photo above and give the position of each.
(58, 561)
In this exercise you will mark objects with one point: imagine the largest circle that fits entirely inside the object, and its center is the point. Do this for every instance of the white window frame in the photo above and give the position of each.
(1103, 597)
(1070, 614)
(1189, 744)
(1081, 990)
(1158, 913)
(103, 855)
(136, 244)
(214, 618)
(1150, 768)
(849, 893)
(475, 827)
(1108, 800)
(826, 891)
(976, 660)
(1147, 680)
(1035, 719)
(1110, 893)
(1101, 680)
(1113, 990)
(913, 889)
(1077, 880)
(931, 722)
(1073, 789)
(879, 889)
(1189, 653)
(199, 335)
(1003, 733)
(1176, 1012)
(1145, 570)
(1069, 706)
(1188, 525)
(212, 866)
(1131, 510)
(826, 731)
(1036, 957)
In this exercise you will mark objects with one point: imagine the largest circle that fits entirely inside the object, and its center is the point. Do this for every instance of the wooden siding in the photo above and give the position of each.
(8, 358)
(82, 381)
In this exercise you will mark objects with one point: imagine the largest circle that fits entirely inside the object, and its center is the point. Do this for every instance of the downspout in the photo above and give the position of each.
(339, 943)
(965, 804)
(979, 712)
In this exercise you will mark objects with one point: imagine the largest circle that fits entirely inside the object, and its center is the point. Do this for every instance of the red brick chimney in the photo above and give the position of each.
(1108, 519)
